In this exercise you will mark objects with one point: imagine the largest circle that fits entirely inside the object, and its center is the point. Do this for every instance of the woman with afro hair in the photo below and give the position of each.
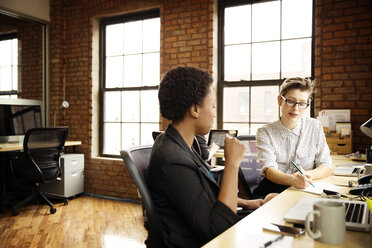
(193, 208)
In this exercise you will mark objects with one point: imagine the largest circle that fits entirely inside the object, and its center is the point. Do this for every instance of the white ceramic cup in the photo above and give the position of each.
(328, 222)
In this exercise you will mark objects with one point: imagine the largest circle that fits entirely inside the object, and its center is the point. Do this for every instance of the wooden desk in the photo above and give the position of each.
(8, 147)
(273, 211)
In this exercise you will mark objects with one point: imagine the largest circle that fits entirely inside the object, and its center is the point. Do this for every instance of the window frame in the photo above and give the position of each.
(221, 84)
(141, 15)
(10, 36)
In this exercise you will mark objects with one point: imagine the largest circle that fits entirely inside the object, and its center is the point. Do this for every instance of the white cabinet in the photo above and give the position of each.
(72, 178)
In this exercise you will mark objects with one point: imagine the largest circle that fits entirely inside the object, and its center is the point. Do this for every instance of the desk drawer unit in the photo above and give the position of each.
(72, 183)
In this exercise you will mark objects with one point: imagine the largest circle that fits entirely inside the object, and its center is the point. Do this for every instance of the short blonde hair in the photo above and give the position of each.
(303, 84)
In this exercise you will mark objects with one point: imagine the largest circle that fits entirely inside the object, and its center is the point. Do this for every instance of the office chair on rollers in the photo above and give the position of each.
(39, 162)
(137, 159)
(250, 168)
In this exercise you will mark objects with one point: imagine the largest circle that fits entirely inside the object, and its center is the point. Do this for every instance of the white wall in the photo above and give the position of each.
(36, 9)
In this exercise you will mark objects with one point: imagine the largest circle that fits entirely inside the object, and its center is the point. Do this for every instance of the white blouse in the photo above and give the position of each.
(305, 145)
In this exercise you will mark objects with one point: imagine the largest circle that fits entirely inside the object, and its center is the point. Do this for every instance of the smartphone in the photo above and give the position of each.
(287, 230)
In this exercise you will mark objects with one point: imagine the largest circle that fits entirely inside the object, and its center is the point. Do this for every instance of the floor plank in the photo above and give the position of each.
(85, 222)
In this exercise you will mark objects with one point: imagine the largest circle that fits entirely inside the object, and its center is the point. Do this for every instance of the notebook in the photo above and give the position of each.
(357, 215)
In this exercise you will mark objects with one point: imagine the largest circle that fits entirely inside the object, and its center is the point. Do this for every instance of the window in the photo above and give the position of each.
(260, 44)
(8, 65)
(130, 64)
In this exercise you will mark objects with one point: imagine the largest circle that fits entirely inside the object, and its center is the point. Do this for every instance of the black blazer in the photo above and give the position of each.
(184, 194)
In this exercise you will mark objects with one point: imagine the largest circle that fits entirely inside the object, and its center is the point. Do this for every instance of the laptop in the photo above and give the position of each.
(357, 215)
(217, 136)
(349, 171)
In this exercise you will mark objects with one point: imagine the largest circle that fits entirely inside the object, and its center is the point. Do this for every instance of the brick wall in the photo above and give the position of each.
(30, 56)
(343, 65)
(185, 40)
(343, 61)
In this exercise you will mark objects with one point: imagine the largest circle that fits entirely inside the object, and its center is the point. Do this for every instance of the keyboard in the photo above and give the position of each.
(354, 212)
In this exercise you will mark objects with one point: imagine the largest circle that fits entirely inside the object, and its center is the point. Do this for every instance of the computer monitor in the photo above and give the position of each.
(17, 116)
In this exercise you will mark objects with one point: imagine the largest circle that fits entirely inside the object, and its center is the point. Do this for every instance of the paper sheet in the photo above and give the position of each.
(256, 240)
(319, 187)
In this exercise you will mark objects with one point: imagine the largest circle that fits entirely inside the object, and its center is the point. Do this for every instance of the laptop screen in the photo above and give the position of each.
(217, 136)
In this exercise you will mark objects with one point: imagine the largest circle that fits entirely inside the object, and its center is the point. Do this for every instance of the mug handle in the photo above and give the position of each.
(317, 233)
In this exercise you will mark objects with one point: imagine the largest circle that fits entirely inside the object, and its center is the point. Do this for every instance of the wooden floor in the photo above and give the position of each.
(85, 222)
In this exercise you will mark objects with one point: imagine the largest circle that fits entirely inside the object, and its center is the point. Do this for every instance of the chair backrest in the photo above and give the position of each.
(250, 168)
(43, 146)
(141, 158)
(137, 159)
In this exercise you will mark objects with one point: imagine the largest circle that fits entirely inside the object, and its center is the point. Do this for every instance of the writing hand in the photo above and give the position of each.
(298, 180)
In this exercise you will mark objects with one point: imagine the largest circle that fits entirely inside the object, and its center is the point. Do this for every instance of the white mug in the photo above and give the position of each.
(328, 222)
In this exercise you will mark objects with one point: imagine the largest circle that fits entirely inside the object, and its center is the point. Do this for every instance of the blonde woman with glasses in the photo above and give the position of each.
(293, 139)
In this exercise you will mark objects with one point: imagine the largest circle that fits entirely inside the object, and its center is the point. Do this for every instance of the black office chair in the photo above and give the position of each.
(39, 162)
(136, 159)
(250, 168)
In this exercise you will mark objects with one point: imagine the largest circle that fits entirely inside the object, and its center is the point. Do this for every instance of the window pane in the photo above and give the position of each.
(112, 107)
(114, 72)
(130, 135)
(111, 141)
(130, 106)
(146, 133)
(296, 58)
(132, 37)
(5, 78)
(15, 78)
(114, 39)
(15, 51)
(265, 104)
(254, 128)
(237, 63)
(151, 66)
(266, 21)
(132, 70)
(236, 104)
(151, 35)
(132, 63)
(265, 60)
(6, 52)
(149, 106)
(243, 128)
(238, 25)
(297, 18)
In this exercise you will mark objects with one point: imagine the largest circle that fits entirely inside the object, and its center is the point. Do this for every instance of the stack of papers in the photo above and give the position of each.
(329, 117)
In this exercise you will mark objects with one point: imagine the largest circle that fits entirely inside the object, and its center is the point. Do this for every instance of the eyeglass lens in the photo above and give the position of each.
(292, 103)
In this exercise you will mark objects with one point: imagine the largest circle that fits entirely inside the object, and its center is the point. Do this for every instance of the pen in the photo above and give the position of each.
(268, 243)
(298, 168)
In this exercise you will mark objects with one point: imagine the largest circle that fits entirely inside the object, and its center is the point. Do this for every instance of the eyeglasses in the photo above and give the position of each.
(291, 103)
